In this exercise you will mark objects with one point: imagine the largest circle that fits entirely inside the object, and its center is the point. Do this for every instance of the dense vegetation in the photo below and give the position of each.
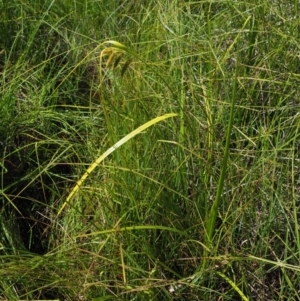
(201, 205)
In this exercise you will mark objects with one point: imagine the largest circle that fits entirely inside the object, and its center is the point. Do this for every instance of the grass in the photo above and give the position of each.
(200, 206)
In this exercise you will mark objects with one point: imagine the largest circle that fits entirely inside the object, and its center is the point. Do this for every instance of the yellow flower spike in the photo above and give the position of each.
(110, 58)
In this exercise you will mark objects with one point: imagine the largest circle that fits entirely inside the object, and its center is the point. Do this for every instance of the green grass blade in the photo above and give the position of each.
(234, 286)
(211, 221)
(111, 150)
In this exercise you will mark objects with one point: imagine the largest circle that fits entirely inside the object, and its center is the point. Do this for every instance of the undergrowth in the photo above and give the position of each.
(199, 204)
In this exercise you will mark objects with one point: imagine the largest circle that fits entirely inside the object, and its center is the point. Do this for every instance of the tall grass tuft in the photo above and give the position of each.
(202, 206)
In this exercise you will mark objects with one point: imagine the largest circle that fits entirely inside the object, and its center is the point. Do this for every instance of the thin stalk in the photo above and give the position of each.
(212, 216)
(211, 221)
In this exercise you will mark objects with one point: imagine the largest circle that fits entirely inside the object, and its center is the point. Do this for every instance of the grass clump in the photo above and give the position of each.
(201, 206)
